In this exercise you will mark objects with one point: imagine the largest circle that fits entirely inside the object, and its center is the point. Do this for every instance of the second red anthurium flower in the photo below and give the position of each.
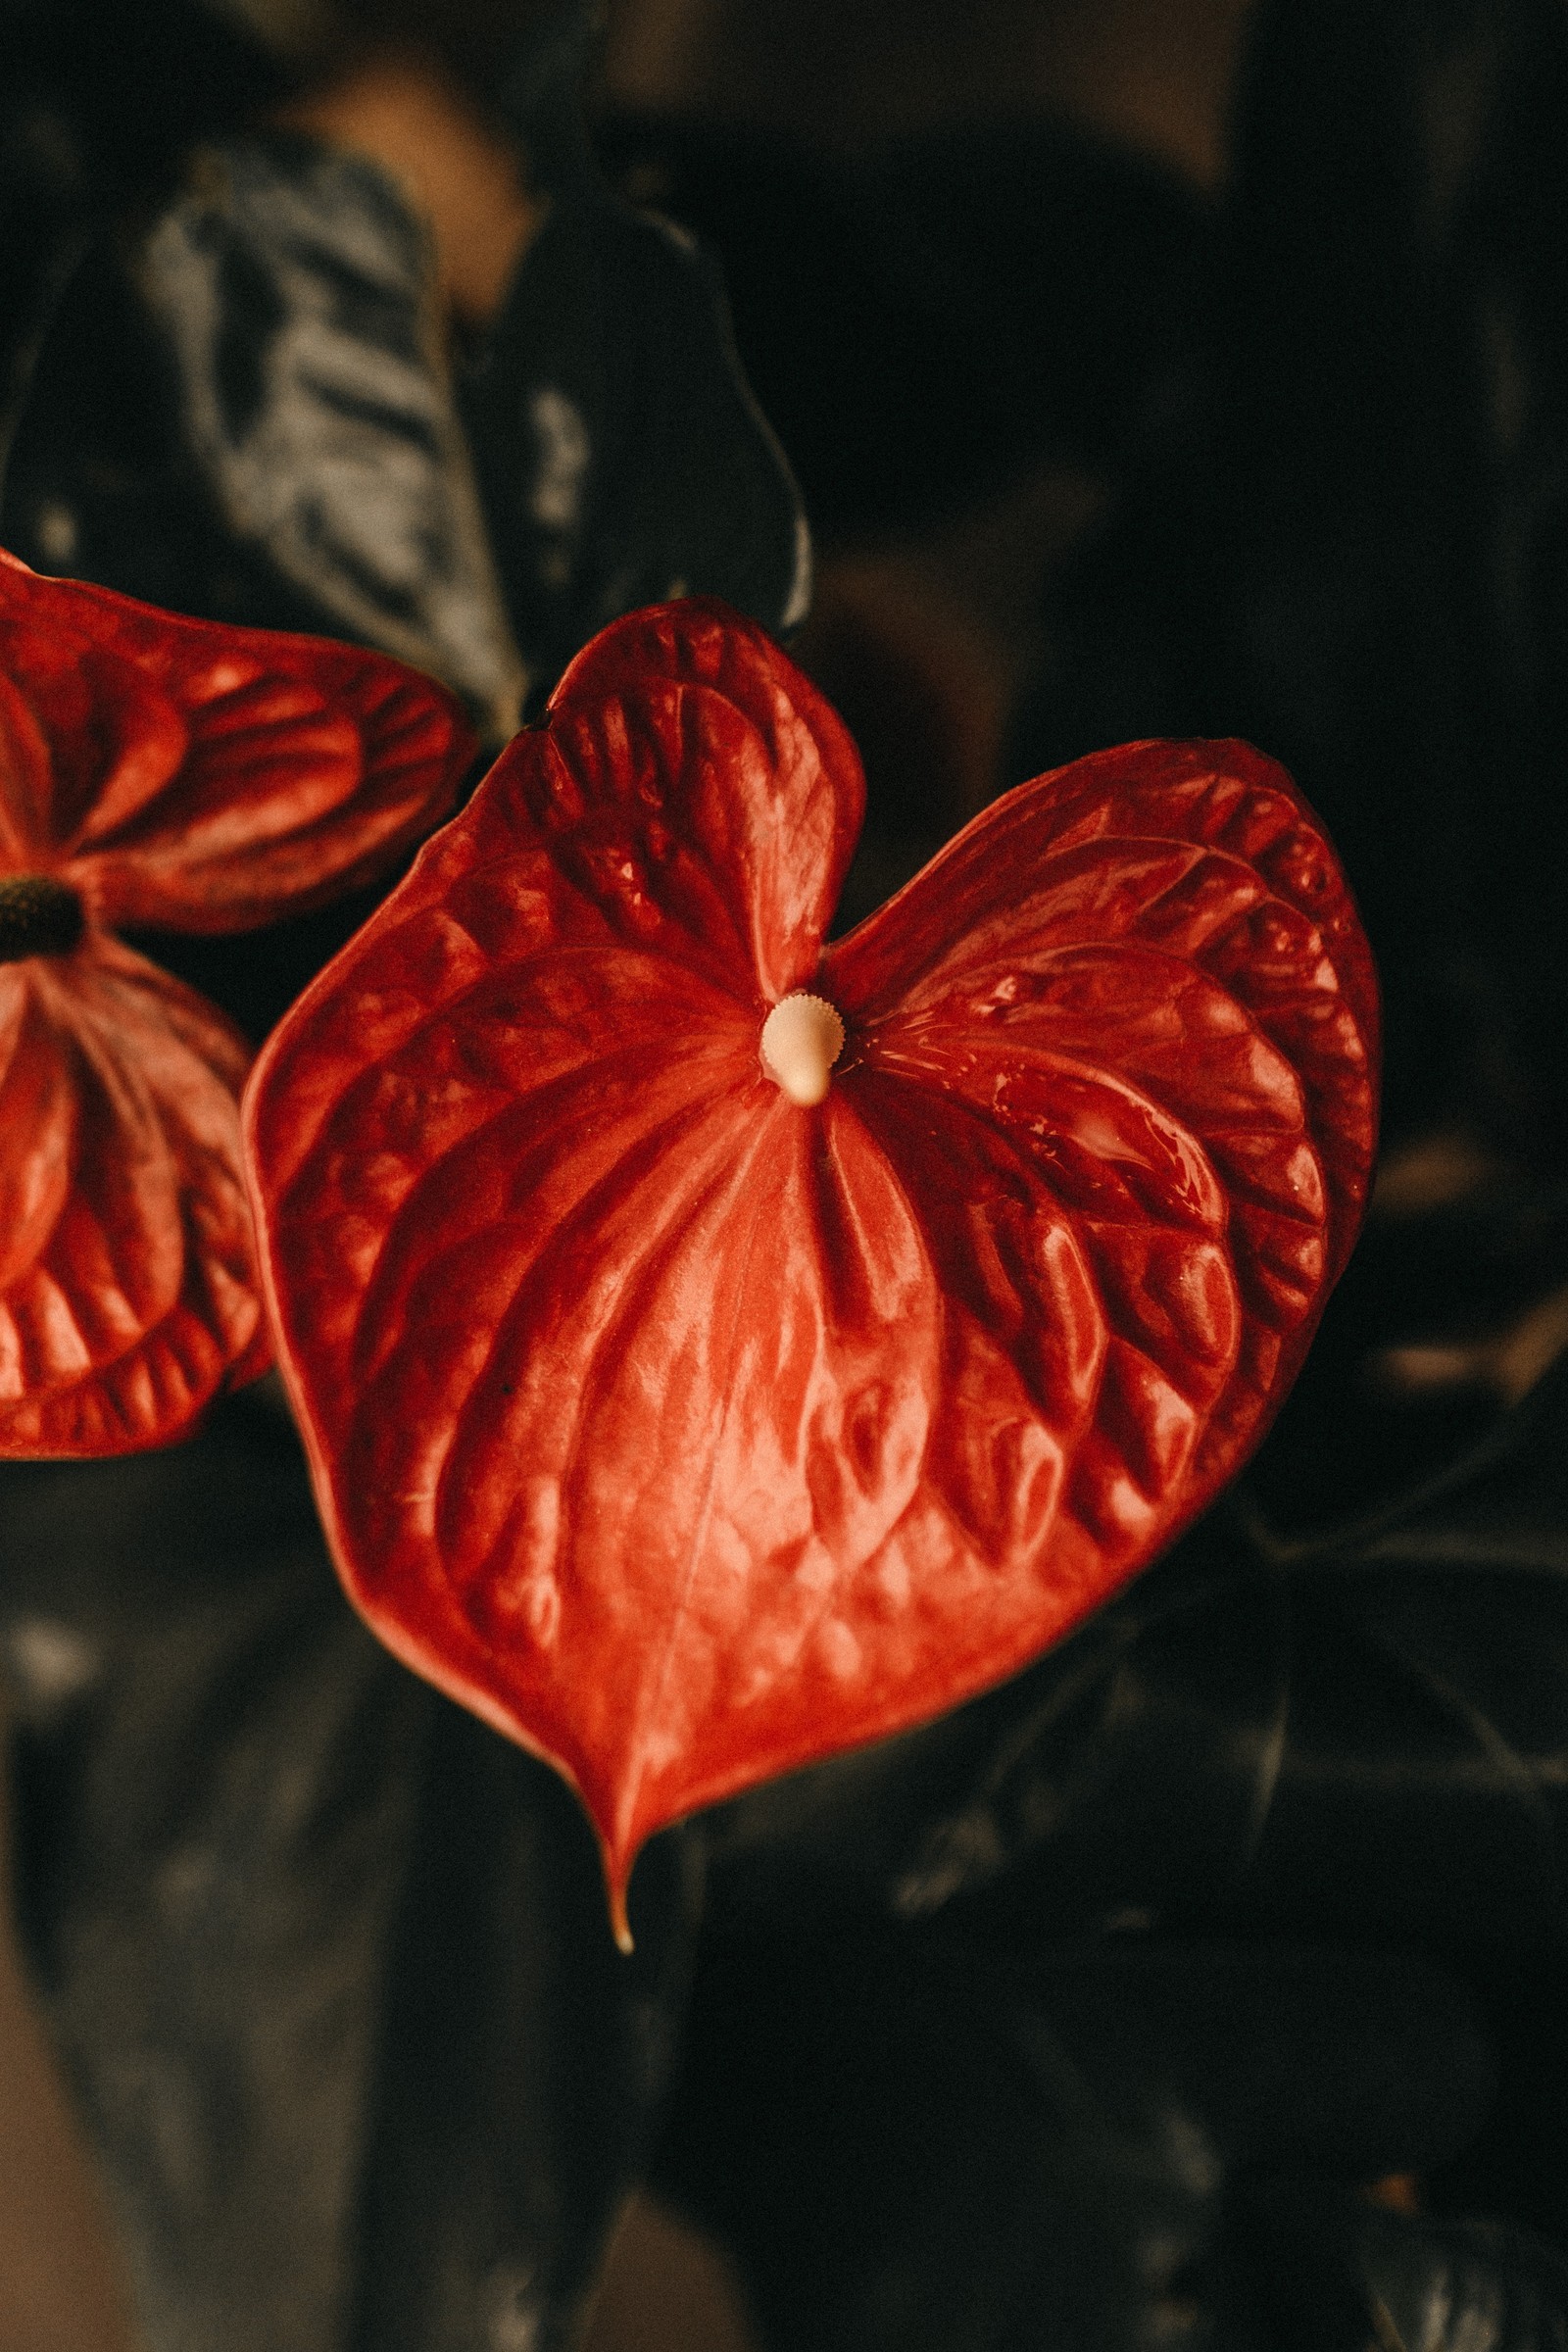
(176, 776)
(717, 1347)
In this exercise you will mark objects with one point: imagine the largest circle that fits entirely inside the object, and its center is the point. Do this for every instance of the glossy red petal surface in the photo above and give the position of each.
(194, 777)
(1185, 927)
(688, 1435)
(704, 794)
(1204, 849)
(128, 1297)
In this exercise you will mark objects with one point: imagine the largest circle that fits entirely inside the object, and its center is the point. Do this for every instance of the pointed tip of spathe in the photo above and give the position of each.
(618, 1880)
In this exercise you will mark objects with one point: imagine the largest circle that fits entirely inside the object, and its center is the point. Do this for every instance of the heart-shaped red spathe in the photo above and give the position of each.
(688, 1433)
(178, 775)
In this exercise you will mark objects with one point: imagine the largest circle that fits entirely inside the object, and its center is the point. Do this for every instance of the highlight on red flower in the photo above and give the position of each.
(717, 1347)
(174, 774)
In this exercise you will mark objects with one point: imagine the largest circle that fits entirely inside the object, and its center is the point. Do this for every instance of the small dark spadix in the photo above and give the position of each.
(39, 916)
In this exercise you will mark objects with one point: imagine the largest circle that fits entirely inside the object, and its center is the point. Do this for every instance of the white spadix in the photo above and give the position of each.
(803, 1038)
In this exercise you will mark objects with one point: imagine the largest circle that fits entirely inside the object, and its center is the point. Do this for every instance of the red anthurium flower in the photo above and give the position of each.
(717, 1348)
(180, 775)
